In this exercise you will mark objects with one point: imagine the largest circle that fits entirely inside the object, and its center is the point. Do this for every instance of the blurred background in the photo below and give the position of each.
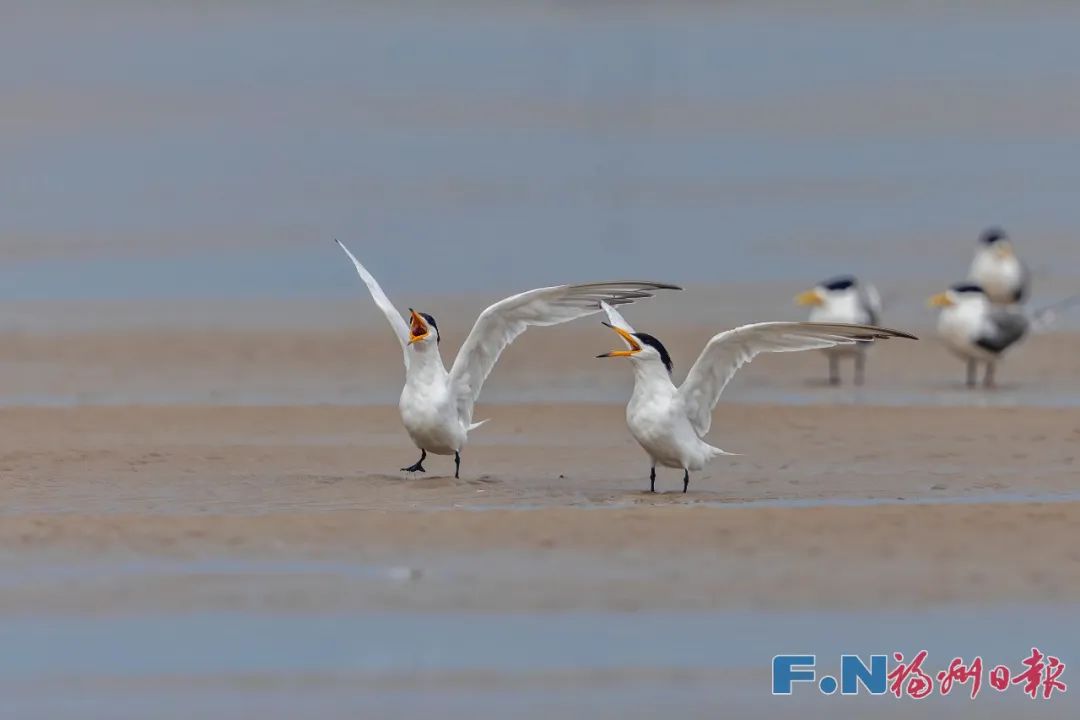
(212, 149)
(187, 164)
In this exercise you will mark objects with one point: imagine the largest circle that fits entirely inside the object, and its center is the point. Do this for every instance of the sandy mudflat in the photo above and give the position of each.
(237, 508)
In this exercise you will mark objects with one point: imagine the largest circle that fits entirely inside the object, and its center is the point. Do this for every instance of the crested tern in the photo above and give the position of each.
(1002, 275)
(436, 405)
(845, 300)
(669, 422)
(977, 330)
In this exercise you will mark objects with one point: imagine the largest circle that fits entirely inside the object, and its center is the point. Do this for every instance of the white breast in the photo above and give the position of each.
(658, 421)
(959, 326)
(999, 277)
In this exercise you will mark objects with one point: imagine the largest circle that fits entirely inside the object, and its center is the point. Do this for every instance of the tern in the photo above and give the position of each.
(1002, 275)
(669, 422)
(978, 331)
(844, 300)
(436, 405)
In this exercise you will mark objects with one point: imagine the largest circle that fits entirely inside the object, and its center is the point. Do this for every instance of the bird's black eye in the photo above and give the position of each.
(836, 284)
(658, 346)
(991, 236)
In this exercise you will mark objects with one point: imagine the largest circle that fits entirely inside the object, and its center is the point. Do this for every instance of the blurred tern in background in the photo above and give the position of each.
(978, 331)
(670, 422)
(1002, 275)
(437, 406)
(844, 300)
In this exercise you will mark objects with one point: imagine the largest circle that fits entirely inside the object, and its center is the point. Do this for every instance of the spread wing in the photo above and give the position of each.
(725, 353)
(501, 323)
(396, 321)
(1044, 318)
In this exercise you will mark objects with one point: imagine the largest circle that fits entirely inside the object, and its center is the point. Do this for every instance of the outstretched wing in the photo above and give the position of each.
(396, 321)
(501, 323)
(1044, 318)
(727, 352)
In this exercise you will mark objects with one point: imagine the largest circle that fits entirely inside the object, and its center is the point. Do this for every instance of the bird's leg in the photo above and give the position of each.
(988, 379)
(652, 479)
(834, 370)
(860, 368)
(418, 466)
(685, 480)
(972, 371)
(457, 464)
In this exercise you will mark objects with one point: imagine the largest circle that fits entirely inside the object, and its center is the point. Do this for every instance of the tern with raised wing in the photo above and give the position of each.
(436, 405)
(671, 422)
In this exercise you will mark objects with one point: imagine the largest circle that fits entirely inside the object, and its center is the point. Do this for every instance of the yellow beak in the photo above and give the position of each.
(1003, 250)
(940, 300)
(810, 297)
(635, 346)
(418, 329)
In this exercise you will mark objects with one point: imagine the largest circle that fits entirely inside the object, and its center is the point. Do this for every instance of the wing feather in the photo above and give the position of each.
(615, 318)
(728, 351)
(397, 322)
(501, 323)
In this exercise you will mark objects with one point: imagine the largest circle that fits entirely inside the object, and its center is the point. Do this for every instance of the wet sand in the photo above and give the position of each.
(212, 520)
(203, 514)
(828, 507)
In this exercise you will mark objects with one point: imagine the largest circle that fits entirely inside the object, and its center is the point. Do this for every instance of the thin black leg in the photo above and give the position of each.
(418, 466)
(860, 368)
(652, 479)
(972, 371)
(685, 480)
(988, 379)
(834, 370)
(457, 465)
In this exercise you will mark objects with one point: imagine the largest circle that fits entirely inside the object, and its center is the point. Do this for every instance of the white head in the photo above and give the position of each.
(997, 243)
(642, 348)
(423, 331)
(962, 297)
(832, 294)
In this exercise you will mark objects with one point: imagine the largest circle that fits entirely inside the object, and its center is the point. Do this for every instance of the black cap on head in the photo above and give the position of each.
(992, 235)
(431, 321)
(967, 288)
(842, 282)
(647, 339)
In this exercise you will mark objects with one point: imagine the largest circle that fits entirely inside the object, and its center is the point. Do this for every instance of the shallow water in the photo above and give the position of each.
(465, 665)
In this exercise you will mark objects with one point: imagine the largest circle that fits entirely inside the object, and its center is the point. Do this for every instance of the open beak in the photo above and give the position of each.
(418, 329)
(810, 297)
(635, 346)
(940, 300)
